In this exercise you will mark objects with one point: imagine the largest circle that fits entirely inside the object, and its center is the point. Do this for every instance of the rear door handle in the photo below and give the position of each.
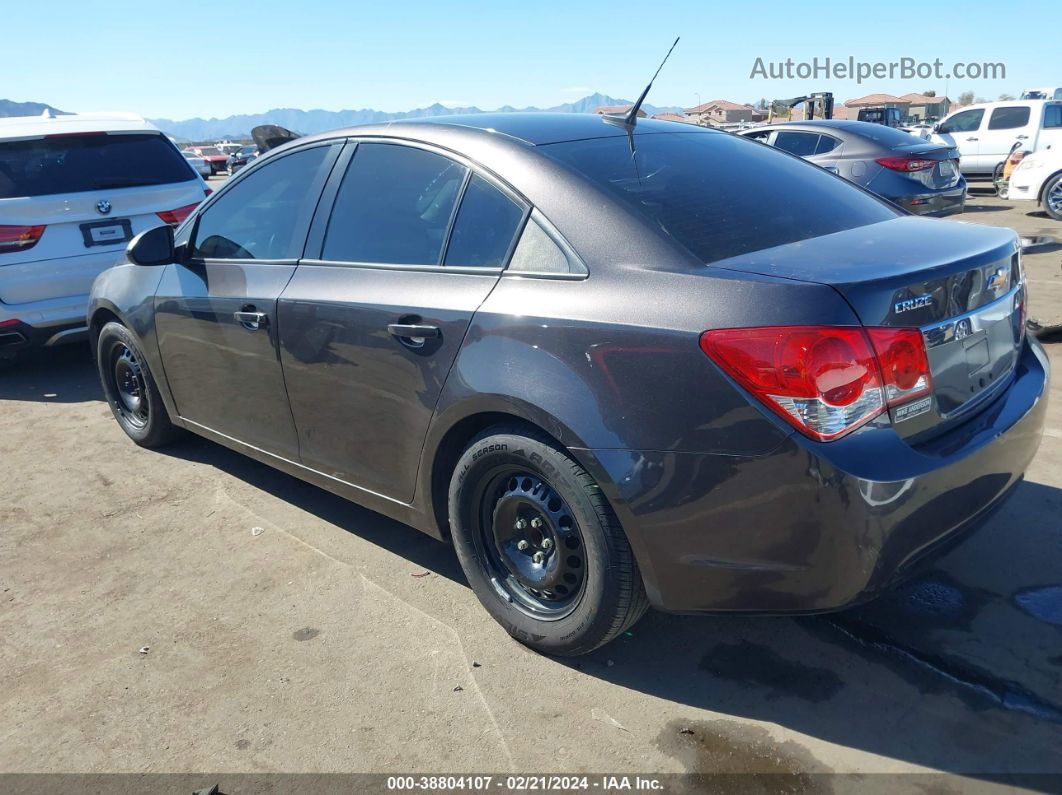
(252, 321)
(973, 139)
(411, 333)
(1022, 137)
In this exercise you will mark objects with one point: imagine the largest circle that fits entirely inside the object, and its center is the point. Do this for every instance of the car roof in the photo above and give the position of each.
(532, 129)
(46, 124)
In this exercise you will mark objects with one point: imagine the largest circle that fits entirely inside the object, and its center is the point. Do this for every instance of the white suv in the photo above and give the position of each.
(985, 134)
(74, 189)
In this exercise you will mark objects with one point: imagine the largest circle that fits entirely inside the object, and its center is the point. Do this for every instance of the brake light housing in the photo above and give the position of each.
(176, 217)
(19, 238)
(906, 164)
(825, 381)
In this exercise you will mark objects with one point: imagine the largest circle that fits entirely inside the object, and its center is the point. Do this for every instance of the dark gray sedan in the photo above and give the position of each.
(614, 365)
(920, 176)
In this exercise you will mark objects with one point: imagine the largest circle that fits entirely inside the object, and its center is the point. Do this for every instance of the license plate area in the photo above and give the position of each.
(107, 233)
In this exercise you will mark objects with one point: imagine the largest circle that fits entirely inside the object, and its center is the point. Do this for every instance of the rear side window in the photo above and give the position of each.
(967, 121)
(78, 163)
(797, 143)
(717, 194)
(485, 227)
(537, 252)
(266, 213)
(394, 206)
(827, 143)
(1053, 116)
(1008, 118)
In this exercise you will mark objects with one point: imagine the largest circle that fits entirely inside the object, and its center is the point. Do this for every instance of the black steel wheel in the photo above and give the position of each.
(530, 539)
(131, 391)
(540, 545)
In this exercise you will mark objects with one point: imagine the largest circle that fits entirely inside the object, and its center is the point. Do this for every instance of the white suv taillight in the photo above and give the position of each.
(19, 238)
(824, 381)
(176, 217)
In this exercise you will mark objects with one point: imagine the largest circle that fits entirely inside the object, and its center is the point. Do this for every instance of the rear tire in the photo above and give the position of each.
(1052, 201)
(512, 490)
(130, 388)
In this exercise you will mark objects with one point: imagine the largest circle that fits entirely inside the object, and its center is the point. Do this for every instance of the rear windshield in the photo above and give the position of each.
(886, 136)
(76, 163)
(720, 195)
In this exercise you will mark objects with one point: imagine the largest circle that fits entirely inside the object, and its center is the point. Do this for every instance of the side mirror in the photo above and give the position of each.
(153, 247)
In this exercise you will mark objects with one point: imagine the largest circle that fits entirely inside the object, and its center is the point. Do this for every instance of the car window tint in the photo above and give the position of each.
(394, 206)
(827, 143)
(1053, 116)
(265, 214)
(798, 143)
(76, 163)
(717, 194)
(537, 252)
(486, 224)
(966, 121)
(1008, 118)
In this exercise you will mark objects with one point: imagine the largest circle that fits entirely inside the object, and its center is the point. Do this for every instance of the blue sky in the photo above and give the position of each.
(214, 58)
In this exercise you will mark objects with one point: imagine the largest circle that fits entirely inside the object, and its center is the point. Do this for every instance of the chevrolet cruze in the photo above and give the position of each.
(613, 364)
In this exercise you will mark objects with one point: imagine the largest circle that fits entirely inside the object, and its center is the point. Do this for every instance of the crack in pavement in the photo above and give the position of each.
(997, 691)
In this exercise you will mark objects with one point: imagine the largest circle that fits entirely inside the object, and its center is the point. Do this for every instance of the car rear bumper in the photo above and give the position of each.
(811, 526)
(42, 324)
(935, 204)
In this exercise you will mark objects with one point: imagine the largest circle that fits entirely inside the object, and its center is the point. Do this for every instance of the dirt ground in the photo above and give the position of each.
(190, 609)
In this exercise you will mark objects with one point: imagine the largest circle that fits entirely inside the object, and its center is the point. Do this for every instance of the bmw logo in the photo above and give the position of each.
(103, 206)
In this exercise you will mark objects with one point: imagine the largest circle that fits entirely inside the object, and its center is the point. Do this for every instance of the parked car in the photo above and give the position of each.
(919, 176)
(890, 117)
(74, 189)
(615, 365)
(201, 166)
(1050, 92)
(985, 134)
(241, 157)
(1038, 178)
(218, 160)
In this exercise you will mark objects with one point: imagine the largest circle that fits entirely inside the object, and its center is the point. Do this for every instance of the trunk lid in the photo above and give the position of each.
(945, 174)
(960, 284)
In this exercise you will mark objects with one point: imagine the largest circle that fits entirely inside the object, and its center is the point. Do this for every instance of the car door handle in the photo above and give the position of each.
(973, 139)
(252, 321)
(1022, 137)
(412, 331)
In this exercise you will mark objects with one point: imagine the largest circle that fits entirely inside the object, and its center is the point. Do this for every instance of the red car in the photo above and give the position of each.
(218, 160)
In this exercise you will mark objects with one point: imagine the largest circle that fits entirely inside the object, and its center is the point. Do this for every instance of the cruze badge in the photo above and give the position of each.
(913, 303)
(103, 206)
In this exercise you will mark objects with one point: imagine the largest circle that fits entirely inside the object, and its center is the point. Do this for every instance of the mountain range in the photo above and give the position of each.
(10, 108)
(313, 121)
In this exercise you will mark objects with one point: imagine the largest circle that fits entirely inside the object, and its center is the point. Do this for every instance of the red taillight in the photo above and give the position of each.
(824, 381)
(207, 191)
(19, 238)
(904, 363)
(9, 323)
(906, 164)
(176, 217)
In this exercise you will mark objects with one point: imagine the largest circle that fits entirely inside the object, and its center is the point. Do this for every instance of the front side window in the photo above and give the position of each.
(265, 214)
(394, 206)
(1008, 118)
(967, 121)
(1052, 116)
(485, 226)
(716, 194)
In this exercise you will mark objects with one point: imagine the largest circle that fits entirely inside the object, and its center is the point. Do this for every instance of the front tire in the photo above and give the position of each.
(540, 545)
(1052, 202)
(130, 388)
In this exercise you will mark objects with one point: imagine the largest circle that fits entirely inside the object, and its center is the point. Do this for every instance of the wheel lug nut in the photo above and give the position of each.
(536, 523)
(521, 545)
(547, 543)
(539, 557)
(521, 524)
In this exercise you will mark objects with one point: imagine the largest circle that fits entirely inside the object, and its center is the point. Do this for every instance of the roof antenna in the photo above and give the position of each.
(631, 117)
